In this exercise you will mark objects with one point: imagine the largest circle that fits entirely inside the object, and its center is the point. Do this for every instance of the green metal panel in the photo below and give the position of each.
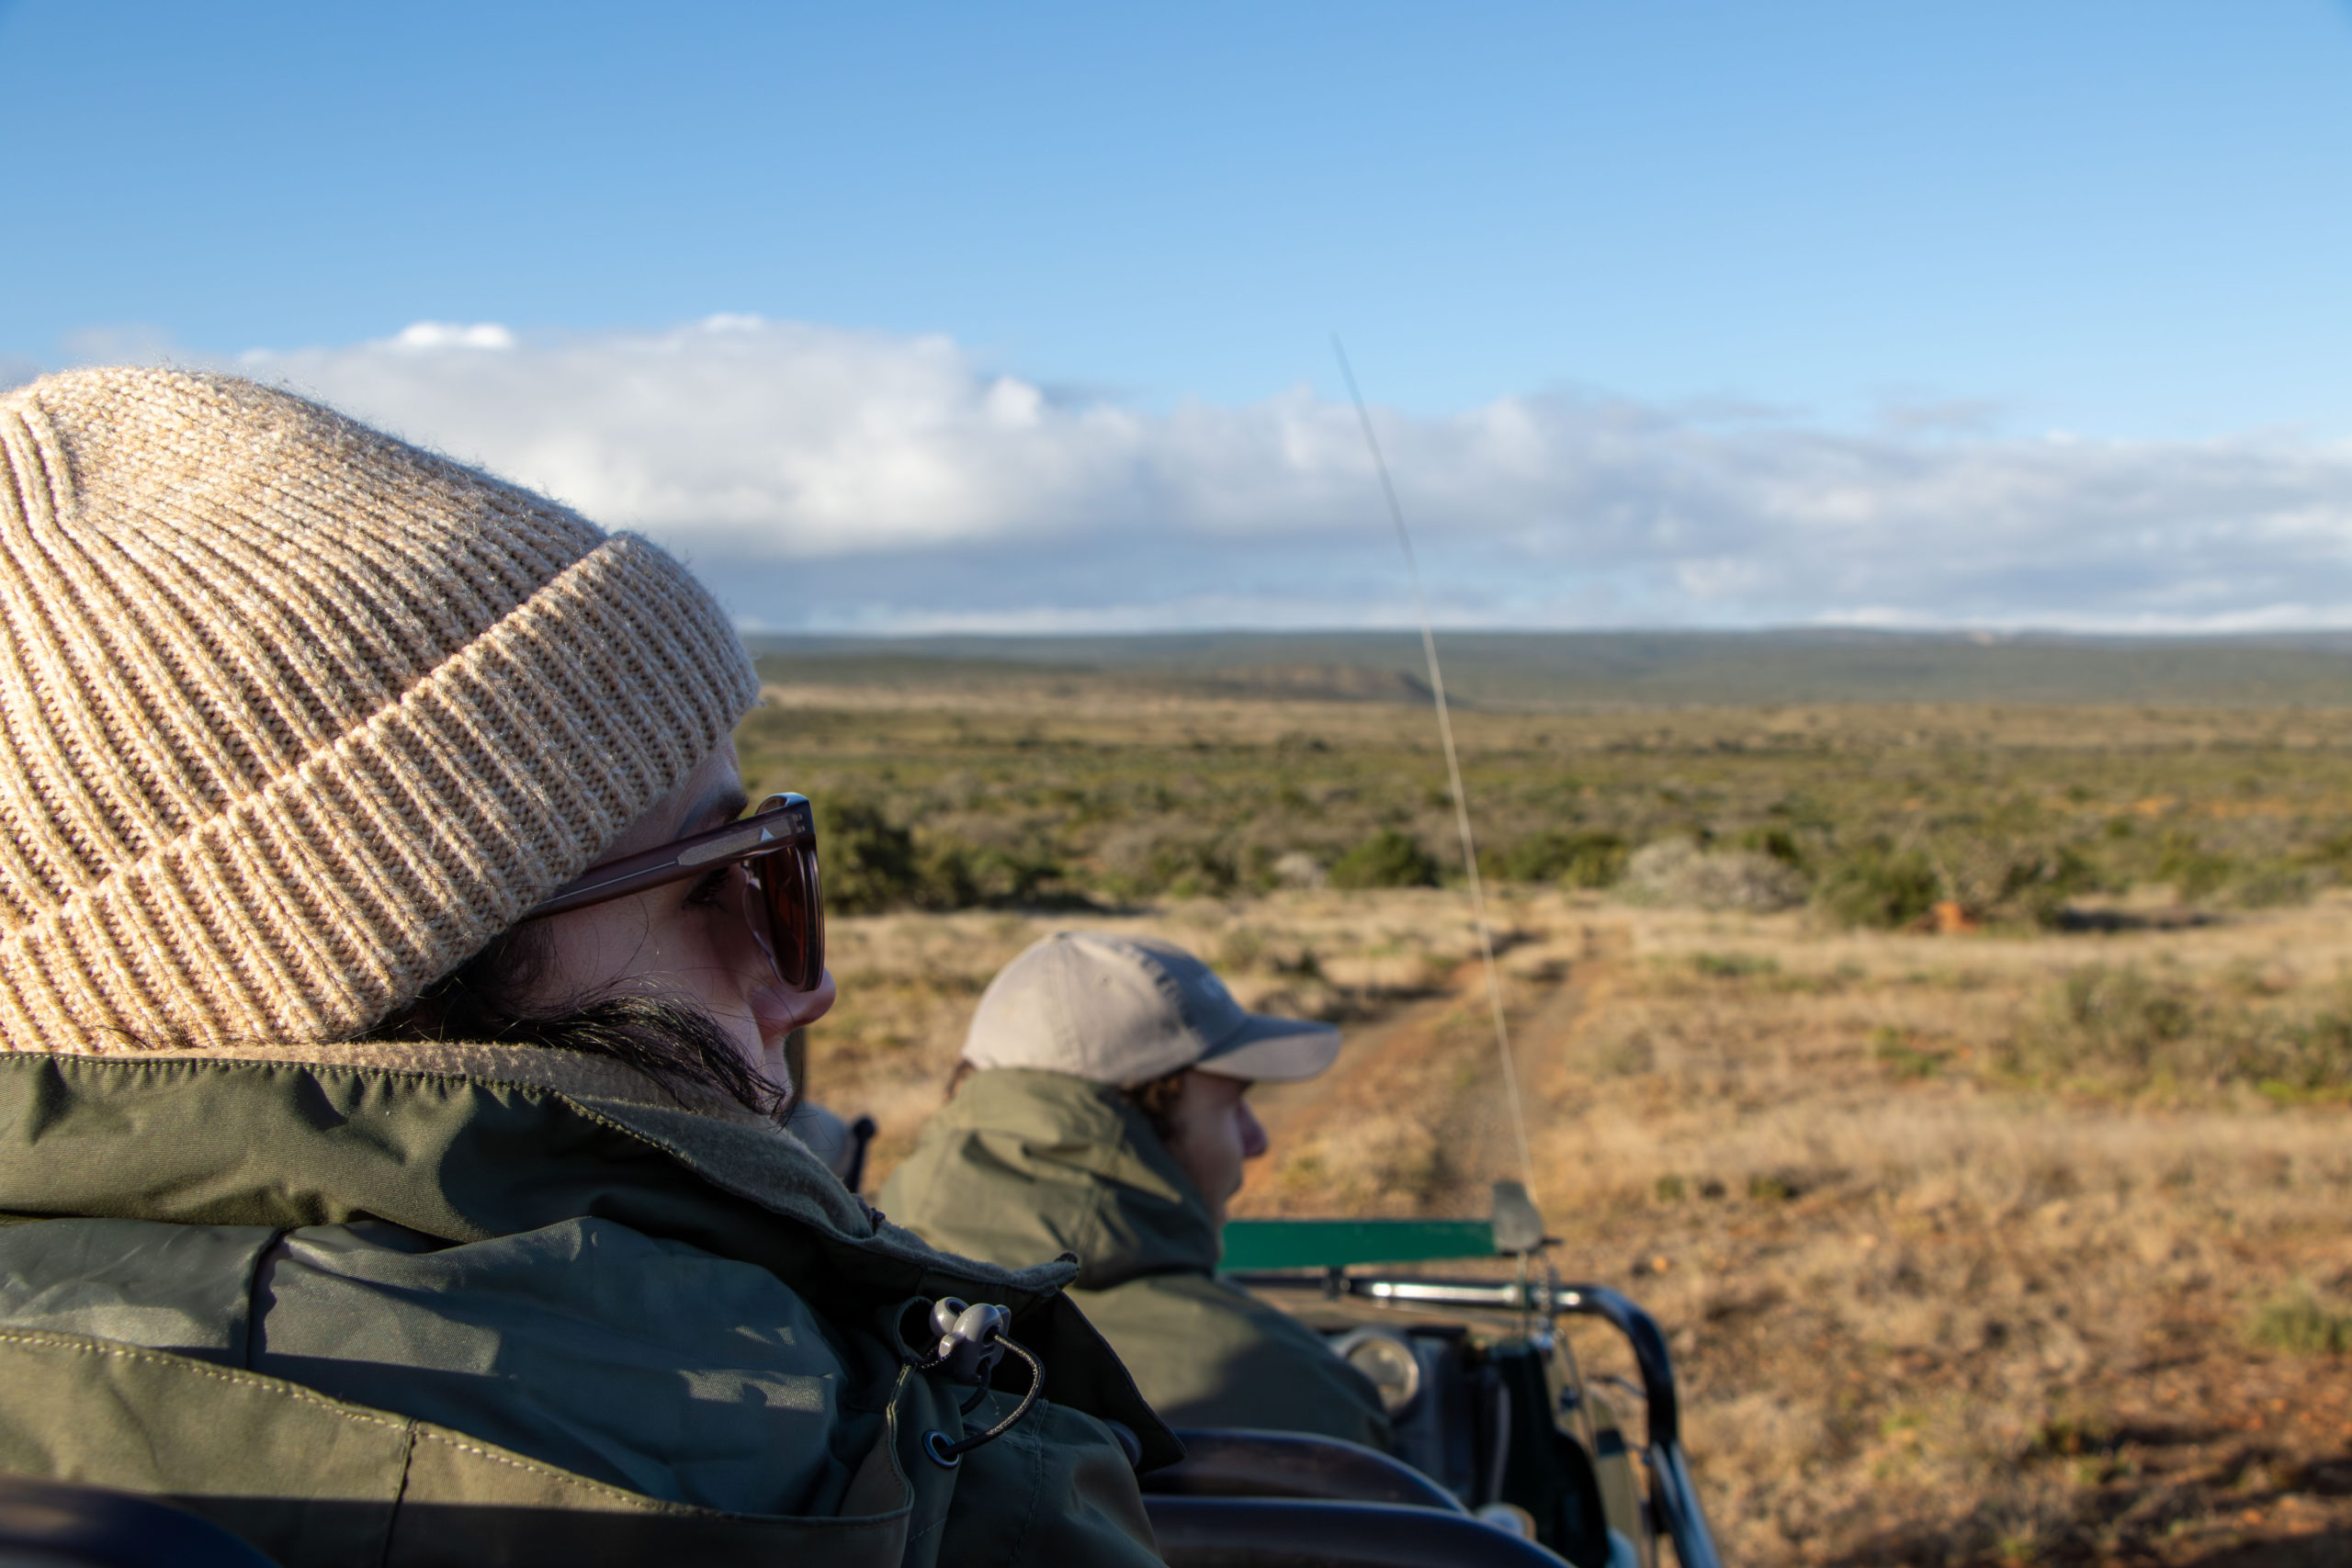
(1342, 1244)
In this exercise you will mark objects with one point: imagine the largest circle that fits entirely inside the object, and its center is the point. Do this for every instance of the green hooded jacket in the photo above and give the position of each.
(1024, 1164)
(463, 1304)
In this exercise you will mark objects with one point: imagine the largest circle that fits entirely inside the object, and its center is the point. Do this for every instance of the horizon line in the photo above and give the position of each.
(1981, 635)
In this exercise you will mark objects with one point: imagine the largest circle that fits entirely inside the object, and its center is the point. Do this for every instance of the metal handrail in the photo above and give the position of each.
(1673, 1499)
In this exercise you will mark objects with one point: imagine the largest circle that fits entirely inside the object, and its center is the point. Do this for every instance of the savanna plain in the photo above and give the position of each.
(1965, 1085)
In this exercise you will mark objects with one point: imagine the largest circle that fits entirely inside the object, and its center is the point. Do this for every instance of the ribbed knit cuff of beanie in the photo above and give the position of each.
(299, 716)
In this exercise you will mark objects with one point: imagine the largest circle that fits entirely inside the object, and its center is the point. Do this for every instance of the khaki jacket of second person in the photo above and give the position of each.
(1022, 1165)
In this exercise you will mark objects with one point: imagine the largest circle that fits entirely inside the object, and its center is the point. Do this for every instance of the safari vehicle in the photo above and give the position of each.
(1494, 1418)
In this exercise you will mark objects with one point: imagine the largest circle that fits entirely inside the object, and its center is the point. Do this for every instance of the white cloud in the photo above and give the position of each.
(825, 477)
(448, 334)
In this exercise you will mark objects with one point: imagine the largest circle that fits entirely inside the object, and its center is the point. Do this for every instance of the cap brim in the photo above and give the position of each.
(1273, 1050)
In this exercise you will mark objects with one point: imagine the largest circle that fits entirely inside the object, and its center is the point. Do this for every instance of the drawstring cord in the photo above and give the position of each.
(971, 1341)
(946, 1454)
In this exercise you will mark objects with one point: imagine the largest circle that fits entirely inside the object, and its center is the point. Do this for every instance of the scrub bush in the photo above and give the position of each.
(2117, 1026)
(1388, 859)
(2026, 882)
(1156, 858)
(1572, 860)
(2194, 870)
(1677, 874)
(1191, 868)
(870, 862)
(960, 876)
(2302, 1324)
(1778, 842)
(873, 866)
(1880, 885)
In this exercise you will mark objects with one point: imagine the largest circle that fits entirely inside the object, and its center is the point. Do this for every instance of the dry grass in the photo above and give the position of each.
(1932, 1313)
(1939, 1297)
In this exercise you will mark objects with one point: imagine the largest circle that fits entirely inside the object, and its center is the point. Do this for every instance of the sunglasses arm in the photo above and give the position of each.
(787, 819)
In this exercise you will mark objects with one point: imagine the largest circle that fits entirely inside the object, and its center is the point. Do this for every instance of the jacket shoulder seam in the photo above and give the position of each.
(642, 1503)
(634, 1501)
(86, 1346)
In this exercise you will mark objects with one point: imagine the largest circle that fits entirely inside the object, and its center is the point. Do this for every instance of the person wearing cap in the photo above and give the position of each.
(1099, 1109)
(391, 1004)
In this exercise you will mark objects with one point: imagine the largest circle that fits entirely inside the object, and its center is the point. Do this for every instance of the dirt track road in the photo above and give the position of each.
(1434, 1061)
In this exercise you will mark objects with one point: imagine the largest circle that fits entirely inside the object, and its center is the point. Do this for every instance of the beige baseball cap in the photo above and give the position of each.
(1124, 1011)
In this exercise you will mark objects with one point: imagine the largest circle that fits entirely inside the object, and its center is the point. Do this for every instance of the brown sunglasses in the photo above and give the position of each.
(777, 846)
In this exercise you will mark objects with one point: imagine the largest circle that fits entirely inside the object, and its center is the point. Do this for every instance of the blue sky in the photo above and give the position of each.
(1802, 245)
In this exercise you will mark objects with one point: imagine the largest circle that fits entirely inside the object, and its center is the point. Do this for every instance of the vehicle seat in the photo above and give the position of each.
(1290, 1532)
(1247, 1462)
(57, 1524)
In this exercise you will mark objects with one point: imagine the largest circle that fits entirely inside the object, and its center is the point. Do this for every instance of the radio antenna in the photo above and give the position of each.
(1452, 773)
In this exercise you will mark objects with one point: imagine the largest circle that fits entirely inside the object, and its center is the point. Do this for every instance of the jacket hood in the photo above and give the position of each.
(466, 1143)
(1025, 1163)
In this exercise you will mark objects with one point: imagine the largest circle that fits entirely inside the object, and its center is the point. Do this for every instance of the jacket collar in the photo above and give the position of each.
(1028, 1163)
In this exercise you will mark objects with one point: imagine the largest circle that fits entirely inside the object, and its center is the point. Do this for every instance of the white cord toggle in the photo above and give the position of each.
(969, 1339)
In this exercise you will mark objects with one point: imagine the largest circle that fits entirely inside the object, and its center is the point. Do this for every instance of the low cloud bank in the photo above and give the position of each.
(826, 478)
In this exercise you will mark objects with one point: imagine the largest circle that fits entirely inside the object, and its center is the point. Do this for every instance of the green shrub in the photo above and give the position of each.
(1388, 859)
(1573, 860)
(1774, 1187)
(1880, 885)
(964, 875)
(2037, 883)
(1778, 842)
(2194, 870)
(1191, 868)
(870, 862)
(873, 866)
(1170, 857)
(2302, 1324)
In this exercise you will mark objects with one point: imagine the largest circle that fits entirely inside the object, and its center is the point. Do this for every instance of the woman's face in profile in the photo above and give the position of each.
(685, 941)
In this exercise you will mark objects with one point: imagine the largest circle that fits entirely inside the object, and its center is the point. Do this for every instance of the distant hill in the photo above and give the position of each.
(1563, 670)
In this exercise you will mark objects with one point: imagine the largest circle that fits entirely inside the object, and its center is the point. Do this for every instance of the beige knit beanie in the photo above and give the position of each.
(296, 717)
